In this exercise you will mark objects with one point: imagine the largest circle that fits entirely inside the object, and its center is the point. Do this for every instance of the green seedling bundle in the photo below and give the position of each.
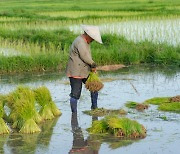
(119, 127)
(170, 104)
(48, 108)
(24, 115)
(93, 82)
(99, 112)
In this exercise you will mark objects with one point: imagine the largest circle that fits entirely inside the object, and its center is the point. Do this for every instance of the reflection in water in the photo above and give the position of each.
(47, 127)
(28, 143)
(80, 145)
(93, 142)
(22, 142)
(3, 139)
(149, 82)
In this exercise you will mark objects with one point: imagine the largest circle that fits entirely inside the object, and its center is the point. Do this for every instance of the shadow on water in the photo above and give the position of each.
(28, 143)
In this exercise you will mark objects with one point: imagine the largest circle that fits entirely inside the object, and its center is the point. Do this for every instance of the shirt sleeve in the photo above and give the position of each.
(85, 53)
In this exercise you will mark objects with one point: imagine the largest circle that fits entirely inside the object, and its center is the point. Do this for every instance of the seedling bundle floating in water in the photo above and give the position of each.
(48, 108)
(99, 112)
(137, 106)
(119, 127)
(93, 82)
(23, 114)
(171, 104)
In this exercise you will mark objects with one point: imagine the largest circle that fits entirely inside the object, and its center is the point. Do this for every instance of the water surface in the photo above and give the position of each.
(68, 134)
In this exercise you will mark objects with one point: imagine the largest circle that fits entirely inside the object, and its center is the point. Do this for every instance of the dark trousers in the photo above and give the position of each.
(76, 87)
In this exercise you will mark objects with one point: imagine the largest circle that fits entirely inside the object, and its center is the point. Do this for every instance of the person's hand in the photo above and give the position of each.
(93, 67)
(93, 70)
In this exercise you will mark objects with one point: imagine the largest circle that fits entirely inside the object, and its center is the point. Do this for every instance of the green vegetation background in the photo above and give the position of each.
(47, 50)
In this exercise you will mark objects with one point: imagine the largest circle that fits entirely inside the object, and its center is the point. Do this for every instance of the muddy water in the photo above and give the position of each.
(68, 133)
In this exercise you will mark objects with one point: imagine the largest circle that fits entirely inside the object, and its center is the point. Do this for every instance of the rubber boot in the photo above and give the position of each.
(73, 103)
(94, 97)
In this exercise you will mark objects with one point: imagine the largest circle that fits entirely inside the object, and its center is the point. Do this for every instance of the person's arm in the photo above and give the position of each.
(85, 55)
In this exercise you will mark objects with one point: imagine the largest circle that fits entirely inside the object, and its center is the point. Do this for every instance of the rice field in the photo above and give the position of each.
(42, 27)
(61, 135)
(157, 31)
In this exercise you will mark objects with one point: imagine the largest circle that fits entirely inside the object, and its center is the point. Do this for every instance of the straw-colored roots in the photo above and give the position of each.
(4, 129)
(54, 109)
(30, 127)
(175, 99)
(94, 85)
(119, 127)
(46, 113)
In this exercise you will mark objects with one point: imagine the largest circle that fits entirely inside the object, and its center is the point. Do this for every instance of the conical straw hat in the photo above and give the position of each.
(93, 32)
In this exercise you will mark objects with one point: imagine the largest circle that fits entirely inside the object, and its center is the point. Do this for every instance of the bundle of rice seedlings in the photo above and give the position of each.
(4, 129)
(137, 106)
(98, 127)
(96, 112)
(23, 112)
(171, 107)
(93, 82)
(48, 107)
(99, 112)
(130, 104)
(54, 109)
(26, 122)
(157, 100)
(30, 127)
(119, 127)
(46, 112)
(14, 104)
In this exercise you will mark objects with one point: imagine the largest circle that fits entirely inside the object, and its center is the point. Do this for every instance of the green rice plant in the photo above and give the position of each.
(42, 95)
(102, 112)
(173, 107)
(98, 127)
(46, 112)
(137, 106)
(48, 107)
(93, 82)
(23, 112)
(157, 100)
(20, 100)
(54, 109)
(131, 104)
(170, 104)
(119, 127)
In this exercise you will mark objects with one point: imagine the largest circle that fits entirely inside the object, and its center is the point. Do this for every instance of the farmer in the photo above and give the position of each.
(80, 64)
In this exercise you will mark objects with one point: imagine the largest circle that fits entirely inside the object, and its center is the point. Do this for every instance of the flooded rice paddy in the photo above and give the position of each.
(158, 31)
(67, 134)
